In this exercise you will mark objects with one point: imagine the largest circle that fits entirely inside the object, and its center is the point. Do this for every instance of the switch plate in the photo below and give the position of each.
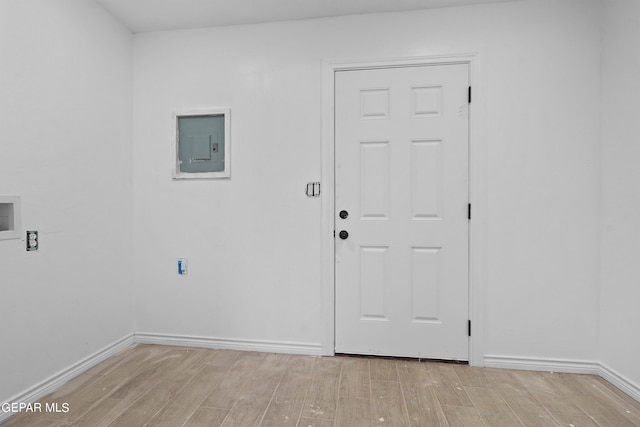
(32, 241)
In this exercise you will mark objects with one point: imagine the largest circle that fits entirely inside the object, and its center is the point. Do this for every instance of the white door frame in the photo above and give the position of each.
(477, 194)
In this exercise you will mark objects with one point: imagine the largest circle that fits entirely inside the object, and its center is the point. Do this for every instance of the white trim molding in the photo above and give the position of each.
(567, 366)
(477, 192)
(620, 382)
(51, 384)
(54, 382)
(311, 349)
(542, 364)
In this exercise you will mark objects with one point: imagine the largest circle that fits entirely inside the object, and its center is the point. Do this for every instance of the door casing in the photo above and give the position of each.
(477, 193)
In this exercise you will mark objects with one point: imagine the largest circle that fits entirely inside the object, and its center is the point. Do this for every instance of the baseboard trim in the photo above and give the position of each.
(569, 366)
(542, 364)
(490, 361)
(52, 383)
(311, 349)
(620, 382)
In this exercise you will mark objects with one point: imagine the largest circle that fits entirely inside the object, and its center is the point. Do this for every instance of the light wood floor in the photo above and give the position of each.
(178, 386)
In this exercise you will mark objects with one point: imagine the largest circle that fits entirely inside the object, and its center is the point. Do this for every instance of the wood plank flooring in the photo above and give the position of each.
(149, 385)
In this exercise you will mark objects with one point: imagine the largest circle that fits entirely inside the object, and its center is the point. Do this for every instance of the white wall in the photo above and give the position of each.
(620, 278)
(65, 115)
(254, 241)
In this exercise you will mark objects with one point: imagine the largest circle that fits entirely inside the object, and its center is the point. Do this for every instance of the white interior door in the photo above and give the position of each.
(401, 144)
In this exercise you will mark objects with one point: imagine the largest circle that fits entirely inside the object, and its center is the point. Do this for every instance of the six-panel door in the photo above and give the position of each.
(401, 144)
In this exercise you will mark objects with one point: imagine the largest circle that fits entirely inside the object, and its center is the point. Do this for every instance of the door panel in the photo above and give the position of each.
(401, 144)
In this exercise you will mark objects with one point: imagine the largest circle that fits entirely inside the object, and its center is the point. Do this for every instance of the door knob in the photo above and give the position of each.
(344, 214)
(343, 235)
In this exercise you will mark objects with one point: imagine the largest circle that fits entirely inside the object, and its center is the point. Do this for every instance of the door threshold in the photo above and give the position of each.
(413, 359)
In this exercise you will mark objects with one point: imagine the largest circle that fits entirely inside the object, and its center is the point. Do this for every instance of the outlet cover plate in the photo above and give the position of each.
(32, 241)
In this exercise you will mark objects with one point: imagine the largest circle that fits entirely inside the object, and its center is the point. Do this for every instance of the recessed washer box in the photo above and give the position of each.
(10, 225)
(201, 144)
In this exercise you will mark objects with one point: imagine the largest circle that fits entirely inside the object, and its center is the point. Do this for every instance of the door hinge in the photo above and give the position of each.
(469, 94)
(469, 328)
(469, 211)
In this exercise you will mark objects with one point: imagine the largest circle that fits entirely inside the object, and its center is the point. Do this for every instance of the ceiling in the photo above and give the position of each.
(161, 15)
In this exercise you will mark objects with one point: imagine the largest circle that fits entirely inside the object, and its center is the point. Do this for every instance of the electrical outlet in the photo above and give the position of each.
(182, 266)
(32, 241)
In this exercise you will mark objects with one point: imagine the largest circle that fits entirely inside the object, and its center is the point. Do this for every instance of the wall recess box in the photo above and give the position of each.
(202, 144)
(10, 224)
